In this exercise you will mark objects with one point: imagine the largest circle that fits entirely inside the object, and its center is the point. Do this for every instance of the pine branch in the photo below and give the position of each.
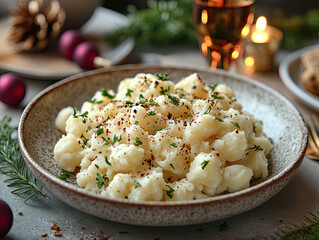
(12, 164)
(163, 22)
(308, 230)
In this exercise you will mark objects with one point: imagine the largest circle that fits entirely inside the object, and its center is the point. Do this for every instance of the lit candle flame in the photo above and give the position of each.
(261, 23)
(260, 35)
(204, 16)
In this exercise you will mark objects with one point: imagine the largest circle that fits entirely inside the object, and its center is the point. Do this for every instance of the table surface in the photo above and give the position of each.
(290, 206)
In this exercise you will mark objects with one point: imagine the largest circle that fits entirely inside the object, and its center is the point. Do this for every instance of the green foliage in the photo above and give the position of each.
(308, 230)
(299, 30)
(164, 22)
(12, 164)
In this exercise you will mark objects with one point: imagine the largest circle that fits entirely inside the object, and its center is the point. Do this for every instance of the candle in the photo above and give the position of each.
(260, 35)
(261, 46)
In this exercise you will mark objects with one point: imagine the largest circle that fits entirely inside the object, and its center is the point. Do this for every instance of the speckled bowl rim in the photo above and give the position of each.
(215, 199)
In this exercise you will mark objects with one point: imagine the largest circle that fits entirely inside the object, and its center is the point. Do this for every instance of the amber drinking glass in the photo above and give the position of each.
(221, 25)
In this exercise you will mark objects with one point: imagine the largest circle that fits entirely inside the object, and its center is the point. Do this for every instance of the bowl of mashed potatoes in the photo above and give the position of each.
(162, 146)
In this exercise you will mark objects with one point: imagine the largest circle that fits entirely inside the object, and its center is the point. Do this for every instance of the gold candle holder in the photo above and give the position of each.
(261, 47)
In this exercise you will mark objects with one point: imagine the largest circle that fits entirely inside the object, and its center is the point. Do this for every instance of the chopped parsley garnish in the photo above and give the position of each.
(215, 96)
(89, 128)
(129, 103)
(99, 131)
(256, 148)
(165, 91)
(138, 142)
(172, 166)
(107, 161)
(219, 119)
(208, 110)
(105, 93)
(137, 184)
(105, 140)
(155, 131)
(84, 139)
(83, 115)
(170, 192)
(64, 176)
(213, 87)
(136, 123)
(236, 124)
(152, 113)
(162, 76)
(128, 93)
(116, 139)
(100, 181)
(94, 101)
(204, 163)
(146, 82)
(173, 145)
(173, 100)
(141, 96)
(97, 166)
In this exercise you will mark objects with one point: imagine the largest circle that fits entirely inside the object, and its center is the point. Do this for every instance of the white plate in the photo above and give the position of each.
(281, 121)
(290, 70)
(49, 65)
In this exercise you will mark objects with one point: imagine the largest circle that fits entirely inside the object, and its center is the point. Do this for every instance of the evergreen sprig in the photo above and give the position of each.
(12, 164)
(307, 230)
(163, 22)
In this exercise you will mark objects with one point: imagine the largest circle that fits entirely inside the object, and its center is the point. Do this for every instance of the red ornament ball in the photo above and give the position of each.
(68, 41)
(12, 89)
(6, 218)
(84, 55)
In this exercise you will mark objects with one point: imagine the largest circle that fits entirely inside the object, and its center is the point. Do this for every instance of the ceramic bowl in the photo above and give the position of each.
(281, 121)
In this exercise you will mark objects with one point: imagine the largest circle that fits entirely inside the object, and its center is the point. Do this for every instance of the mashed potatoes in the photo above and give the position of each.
(156, 141)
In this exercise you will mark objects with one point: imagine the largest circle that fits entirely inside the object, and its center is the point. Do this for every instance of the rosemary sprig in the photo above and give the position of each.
(12, 164)
(307, 230)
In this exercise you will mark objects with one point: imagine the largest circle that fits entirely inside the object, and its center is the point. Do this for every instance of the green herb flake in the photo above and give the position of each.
(137, 184)
(94, 101)
(256, 148)
(172, 166)
(165, 91)
(84, 139)
(105, 140)
(97, 166)
(105, 93)
(107, 161)
(128, 93)
(116, 139)
(152, 113)
(204, 164)
(215, 96)
(219, 119)
(83, 115)
(136, 122)
(236, 124)
(138, 142)
(208, 110)
(146, 82)
(20, 213)
(173, 100)
(173, 145)
(100, 181)
(64, 176)
(129, 103)
(213, 87)
(170, 192)
(162, 76)
(99, 131)
(156, 131)
(89, 128)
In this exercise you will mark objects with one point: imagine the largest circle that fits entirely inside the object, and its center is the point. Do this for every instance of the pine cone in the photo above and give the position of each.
(34, 25)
